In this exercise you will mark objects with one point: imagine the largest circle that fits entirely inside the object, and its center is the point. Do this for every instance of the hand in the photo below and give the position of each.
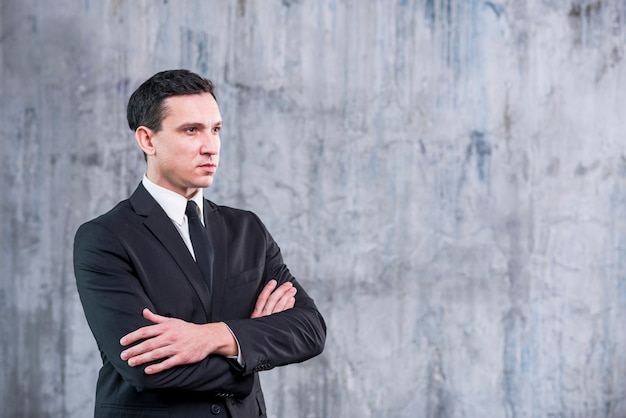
(175, 342)
(272, 300)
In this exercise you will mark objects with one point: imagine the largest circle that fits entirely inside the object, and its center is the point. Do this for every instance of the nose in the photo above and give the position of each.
(210, 144)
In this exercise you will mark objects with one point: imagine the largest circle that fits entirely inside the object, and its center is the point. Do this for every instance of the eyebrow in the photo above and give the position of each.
(197, 124)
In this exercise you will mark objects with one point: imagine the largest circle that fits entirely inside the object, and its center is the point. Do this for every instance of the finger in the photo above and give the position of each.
(285, 302)
(150, 356)
(171, 358)
(144, 332)
(164, 365)
(157, 319)
(266, 292)
(262, 299)
(290, 303)
(151, 316)
(141, 348)
(140, 334)
(275, 297)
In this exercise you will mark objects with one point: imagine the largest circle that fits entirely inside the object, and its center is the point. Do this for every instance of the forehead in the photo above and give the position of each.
(199, 108)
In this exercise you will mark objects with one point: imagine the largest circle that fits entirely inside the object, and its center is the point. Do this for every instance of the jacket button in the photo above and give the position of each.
(215, 409)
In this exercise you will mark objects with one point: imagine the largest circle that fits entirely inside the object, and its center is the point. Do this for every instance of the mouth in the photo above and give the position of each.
(209, 167)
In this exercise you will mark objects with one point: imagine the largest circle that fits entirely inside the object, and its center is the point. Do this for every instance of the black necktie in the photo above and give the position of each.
(200, 242)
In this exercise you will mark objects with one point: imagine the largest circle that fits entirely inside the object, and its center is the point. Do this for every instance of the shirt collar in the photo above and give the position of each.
(172, 203)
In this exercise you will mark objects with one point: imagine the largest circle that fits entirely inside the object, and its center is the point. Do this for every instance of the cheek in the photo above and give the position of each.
(175, 162)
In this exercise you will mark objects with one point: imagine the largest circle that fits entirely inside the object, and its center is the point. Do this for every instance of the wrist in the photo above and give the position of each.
(225, 340)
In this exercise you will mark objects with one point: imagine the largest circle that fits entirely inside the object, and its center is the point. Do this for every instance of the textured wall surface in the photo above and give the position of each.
(446, 178)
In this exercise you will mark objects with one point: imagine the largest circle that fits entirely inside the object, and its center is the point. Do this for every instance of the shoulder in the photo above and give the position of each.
(132, 210)
(113, 215)
(118, 217)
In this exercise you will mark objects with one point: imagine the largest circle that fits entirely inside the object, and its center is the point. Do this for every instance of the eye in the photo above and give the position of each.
(191, 130)
(217, 129)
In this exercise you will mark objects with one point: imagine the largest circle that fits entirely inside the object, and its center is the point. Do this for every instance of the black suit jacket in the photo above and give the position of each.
(133, 258)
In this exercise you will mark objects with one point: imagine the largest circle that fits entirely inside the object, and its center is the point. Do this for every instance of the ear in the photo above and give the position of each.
(144, 137)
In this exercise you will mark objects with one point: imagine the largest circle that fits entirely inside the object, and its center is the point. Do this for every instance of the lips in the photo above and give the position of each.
(210, 167)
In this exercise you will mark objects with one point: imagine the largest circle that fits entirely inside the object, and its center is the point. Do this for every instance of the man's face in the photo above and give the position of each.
(186, 149)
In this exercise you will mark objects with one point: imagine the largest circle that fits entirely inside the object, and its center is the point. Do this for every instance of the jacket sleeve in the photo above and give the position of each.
(113, 298)
(291, 336)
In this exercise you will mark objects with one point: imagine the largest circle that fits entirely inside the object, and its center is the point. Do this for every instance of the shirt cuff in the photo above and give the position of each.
(238, 357)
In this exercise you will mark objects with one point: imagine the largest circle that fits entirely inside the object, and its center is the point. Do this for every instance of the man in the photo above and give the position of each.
(187, 301)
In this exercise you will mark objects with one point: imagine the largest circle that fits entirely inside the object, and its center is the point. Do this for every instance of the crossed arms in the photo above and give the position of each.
(172, 342)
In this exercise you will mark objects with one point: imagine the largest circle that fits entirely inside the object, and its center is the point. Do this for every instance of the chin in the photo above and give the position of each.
(205, 183)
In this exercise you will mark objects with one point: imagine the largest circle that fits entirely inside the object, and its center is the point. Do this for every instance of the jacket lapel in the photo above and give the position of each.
(217, 238)
(160, 225)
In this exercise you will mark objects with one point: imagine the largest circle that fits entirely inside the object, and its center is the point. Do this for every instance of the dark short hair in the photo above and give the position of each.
(146, 105)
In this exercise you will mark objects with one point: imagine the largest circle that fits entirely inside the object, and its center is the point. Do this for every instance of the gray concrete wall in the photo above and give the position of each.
(447, 178)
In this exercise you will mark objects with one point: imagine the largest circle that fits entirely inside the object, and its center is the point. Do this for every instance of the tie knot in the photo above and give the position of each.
(192, 210)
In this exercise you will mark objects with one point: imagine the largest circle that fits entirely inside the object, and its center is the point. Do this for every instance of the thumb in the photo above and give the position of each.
(150, 316)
